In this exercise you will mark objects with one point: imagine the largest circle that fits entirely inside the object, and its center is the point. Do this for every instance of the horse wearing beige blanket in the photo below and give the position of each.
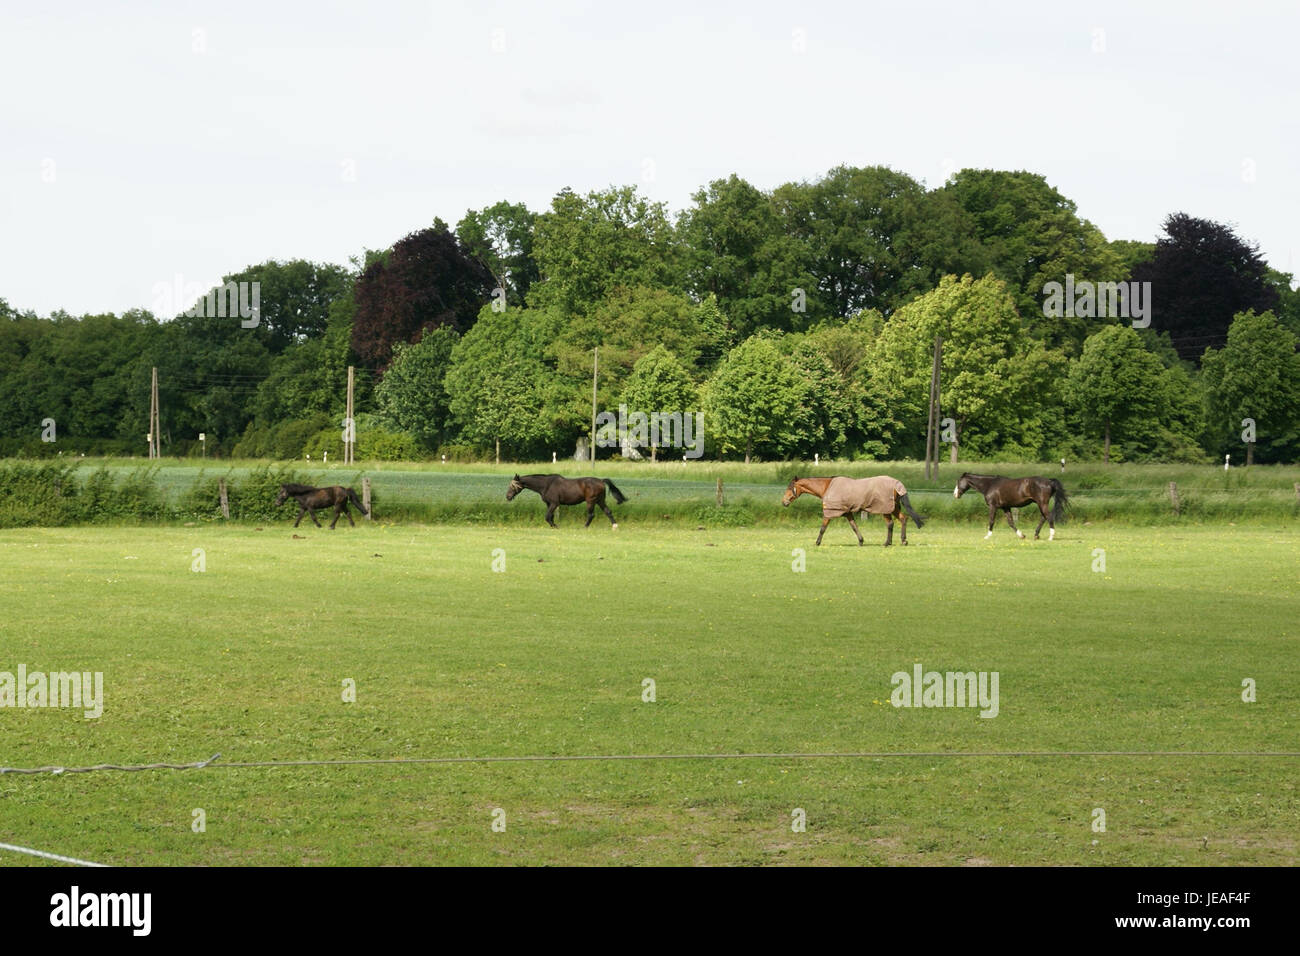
(841, 496)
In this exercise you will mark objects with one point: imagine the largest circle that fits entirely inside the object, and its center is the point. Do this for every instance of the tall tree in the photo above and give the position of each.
(1033, 235)
(1255, 376)
(294, 298)
(1120, 389)
(429, 280)
(751, 399)
(996, 381)
(501, 237)
(850, 220)
(659, 383)
(735, 248)
(411, 396)
(1202, 275)
(586, 246)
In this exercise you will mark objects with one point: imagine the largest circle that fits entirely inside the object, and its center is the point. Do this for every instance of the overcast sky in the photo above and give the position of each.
(140, 142)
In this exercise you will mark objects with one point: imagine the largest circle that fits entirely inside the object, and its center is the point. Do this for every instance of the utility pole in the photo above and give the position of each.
(595, 368)
(350, 441)
(155, 420)
(932, 417)
(938, 400)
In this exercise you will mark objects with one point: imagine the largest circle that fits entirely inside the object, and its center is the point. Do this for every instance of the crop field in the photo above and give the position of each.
(1119, 733)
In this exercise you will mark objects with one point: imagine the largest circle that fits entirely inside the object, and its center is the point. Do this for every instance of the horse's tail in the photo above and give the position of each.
(619, 497)
(1060, 501)
(907, 505)
(352, 495)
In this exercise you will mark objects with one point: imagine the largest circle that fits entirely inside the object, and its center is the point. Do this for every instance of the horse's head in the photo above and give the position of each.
(516, 486)
(963, 485)
(282, 496)
(792, 491)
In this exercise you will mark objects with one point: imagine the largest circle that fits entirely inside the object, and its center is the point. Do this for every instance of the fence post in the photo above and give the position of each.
(1173, 496)
(719, 496)
(365, 496)
(1297, 491)
(225, 501)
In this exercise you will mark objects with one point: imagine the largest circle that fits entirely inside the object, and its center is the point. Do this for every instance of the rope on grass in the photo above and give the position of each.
(111, 766)
(560, 758)
(48, 856)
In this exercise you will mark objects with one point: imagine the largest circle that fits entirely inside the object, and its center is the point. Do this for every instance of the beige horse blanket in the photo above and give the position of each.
(851, 495)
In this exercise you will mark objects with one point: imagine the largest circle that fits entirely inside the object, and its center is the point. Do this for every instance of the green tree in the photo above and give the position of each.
(995, 381)
(659, 384)
(411, 396)
(499, 389)
(501, 237)
(294, 298)
(1033, 235)
(737, 250)
(751, 398)
(1256, 376)
(1116, 386)
(586, 246)
(850, 220)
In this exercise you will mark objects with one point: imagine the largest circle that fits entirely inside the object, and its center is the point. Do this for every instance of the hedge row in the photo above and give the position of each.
(56, 493)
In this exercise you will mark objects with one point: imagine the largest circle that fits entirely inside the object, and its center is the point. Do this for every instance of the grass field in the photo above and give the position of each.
(548, 657)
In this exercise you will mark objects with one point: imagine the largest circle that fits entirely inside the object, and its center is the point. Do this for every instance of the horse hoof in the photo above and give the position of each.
(615, 527)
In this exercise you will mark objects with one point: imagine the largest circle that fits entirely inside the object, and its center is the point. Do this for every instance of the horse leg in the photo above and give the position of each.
(889, 535)
(1042, 507)
(854, 525)
(608, 514)
(993, 513)
(312, 514)
(550, 515)
(902, 525)
(347, 511)
(337, 511)
(591, 513)
(1012, 521)
(302, 510)
(825, 522)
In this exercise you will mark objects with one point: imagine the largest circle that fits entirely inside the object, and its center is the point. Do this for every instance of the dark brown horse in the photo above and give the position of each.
(842, 496)
(1008, 493)
(309, 499)
(557, 490)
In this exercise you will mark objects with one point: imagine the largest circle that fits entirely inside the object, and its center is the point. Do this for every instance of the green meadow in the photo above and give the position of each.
(1116, 637)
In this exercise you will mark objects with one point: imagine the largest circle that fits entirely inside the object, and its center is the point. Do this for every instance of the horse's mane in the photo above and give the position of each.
(294, 489)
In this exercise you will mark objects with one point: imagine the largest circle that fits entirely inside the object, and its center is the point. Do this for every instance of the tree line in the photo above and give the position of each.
(798, 320)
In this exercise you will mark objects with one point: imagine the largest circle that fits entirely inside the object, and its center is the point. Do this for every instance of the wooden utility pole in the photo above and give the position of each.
(938, 399)
(595, 368)
(155, 419)
(932, 418)
(350, 441)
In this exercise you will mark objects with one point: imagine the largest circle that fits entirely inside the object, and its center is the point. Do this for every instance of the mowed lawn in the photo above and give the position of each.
(548, 657)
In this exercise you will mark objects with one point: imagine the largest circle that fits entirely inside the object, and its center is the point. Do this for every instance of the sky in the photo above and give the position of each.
(148, 145)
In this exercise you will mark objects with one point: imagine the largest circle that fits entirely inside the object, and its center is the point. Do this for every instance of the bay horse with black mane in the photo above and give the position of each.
(557, 490)
(842, 496)
(309, 499)
(1008, 493)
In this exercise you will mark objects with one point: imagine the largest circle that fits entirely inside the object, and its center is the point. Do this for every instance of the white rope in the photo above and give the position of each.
(48, 856)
